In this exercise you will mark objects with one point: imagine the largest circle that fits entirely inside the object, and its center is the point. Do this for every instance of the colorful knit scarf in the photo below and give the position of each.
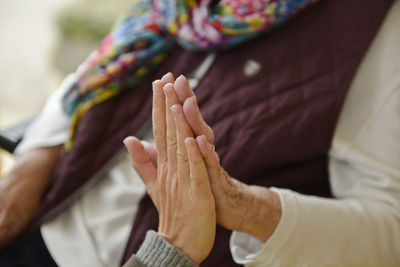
(141, 40)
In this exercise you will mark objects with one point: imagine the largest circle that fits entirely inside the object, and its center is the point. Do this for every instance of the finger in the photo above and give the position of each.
(182, 132)
(167, 78)
(170, 100)
(210, 157)
(182, 88)
(198, 174)
(141, 161)
(158, 115)
(151, 151)
(159, 131)
(195, 120)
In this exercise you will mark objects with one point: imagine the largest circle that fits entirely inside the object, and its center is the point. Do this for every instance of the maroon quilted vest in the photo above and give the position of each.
(273, 128)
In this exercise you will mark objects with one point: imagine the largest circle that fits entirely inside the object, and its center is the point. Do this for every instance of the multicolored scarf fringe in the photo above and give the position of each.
(141, 40)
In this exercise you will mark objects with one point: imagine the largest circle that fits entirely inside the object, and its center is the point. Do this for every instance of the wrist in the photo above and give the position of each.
(263, 213)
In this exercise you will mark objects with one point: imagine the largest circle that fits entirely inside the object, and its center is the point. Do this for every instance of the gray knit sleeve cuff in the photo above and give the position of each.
(156, 251)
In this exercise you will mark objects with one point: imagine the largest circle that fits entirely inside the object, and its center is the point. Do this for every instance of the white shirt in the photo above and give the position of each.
(362, 226)
(359, 228)
(95, 229)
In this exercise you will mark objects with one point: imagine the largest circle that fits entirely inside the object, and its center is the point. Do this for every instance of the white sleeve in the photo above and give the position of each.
(51, 126)
(361, 227)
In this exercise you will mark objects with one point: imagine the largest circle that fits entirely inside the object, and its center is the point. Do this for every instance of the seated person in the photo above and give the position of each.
(270, 130)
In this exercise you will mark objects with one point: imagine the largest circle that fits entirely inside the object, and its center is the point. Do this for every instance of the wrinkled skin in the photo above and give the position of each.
(179, 185)
(252, 209)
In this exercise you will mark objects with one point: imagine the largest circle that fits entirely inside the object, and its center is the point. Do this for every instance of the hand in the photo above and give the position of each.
(180, 191)
(144, 155)
(252, 209)
(22, 189)
(255, 210)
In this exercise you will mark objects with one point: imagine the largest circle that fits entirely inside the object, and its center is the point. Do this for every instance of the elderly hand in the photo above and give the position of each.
(252, 209)
(178, 183)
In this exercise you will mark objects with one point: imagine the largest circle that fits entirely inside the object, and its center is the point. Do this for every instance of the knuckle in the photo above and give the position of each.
(223, 174)
(158, 133)
(171, 139)
(217, 159)
(195, 160)
(171, 174)
(211, 160)
(210, 134)
(194, 179)
(163, 164)
(182, 157)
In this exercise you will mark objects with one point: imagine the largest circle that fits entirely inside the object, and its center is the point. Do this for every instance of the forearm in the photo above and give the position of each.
(35, 167)
(259, 208)
(317, 231)
(21, 190)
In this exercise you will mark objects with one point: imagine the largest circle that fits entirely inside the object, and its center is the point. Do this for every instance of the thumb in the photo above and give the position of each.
(142, 160)
(151, 151)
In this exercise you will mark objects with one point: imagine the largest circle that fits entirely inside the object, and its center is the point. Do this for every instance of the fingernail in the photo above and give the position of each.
(203, 138)
(166, 76)
(198, 138)
(130, 137)
(190, 101)
(126, 143)
(180, 81)
(125, 140)
(181, 78)
(156, 87)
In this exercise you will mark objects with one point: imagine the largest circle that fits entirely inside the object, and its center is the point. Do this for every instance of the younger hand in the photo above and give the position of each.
(180, 190)
(144, 155)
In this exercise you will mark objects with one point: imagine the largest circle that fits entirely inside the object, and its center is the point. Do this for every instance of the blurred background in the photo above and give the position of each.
(42, 41)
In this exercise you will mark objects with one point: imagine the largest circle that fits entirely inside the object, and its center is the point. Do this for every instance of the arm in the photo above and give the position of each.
(362, 226)
(22, 188)
(281, 227)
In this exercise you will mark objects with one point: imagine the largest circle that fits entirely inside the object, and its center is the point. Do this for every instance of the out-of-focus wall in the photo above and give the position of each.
(37, 38)
(28, 35)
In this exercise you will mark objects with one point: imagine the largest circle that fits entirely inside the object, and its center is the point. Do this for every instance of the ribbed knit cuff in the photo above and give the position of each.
(156, 251)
